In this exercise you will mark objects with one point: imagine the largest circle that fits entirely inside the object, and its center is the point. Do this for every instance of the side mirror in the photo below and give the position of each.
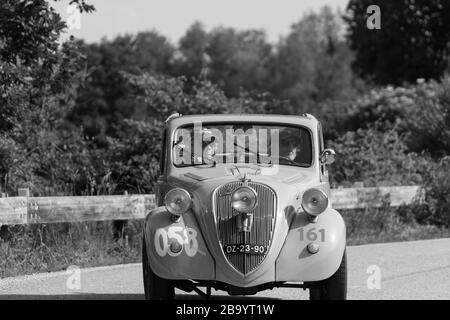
(328, 156)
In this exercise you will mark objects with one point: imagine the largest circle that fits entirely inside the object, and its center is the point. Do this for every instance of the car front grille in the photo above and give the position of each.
(261, 229)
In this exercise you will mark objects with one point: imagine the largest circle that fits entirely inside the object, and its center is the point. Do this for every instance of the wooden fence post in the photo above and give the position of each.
(2, 194)
(4, 232)
(119, 227)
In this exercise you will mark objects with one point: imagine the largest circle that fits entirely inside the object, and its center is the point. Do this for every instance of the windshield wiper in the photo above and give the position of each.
(257, 154)
(199, 165)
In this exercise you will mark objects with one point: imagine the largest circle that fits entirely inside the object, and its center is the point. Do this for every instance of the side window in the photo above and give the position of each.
(162, 155)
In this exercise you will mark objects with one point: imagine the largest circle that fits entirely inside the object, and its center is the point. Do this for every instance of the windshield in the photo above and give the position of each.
(209, 144)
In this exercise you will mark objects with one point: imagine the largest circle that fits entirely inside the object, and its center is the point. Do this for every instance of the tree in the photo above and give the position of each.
(238, 60)
(413, 41)
(39, 78)
(312, 64)
(105, 100)
(30, 29)
(193, 60)
(235, 60)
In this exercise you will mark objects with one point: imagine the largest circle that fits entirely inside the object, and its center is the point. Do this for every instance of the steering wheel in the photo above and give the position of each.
(287, 159)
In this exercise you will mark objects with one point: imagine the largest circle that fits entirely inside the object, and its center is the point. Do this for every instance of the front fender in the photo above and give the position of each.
(295, 263)
(193, 261)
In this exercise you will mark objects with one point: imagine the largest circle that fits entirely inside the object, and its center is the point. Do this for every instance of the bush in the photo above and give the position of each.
(420, 114)
(399, 136)
(376, 158)
(435, 208)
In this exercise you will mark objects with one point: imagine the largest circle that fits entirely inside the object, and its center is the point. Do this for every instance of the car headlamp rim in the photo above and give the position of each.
(238, 201)
(182, 198)
(314, 201)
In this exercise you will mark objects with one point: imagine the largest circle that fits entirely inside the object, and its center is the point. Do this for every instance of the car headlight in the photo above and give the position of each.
(244, 199)
(178, 201)
(314, 201)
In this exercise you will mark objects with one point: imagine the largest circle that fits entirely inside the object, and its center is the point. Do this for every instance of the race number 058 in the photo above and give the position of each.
(186, 237)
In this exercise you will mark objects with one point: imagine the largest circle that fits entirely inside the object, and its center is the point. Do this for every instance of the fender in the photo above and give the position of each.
(177, 250)
(295, 263)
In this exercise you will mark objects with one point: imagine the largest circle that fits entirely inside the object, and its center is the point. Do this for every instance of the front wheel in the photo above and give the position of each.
(155, 288)
(333, 288)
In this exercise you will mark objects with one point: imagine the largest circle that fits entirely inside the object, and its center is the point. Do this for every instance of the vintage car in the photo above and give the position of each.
(243, 205)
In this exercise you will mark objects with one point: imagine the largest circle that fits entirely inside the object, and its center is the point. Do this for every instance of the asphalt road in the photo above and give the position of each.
(407, 270)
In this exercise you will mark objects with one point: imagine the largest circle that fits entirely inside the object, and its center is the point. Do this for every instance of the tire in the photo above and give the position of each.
(155, 288)
(333, 288)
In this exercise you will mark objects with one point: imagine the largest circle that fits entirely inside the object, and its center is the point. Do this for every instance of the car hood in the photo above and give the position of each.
(289, 175)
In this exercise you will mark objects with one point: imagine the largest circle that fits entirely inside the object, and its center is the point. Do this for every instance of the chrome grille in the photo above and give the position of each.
(262, 228)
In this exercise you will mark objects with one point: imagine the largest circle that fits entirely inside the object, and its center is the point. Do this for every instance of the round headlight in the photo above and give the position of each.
(178, 201)
(244, 199)
(314, 202)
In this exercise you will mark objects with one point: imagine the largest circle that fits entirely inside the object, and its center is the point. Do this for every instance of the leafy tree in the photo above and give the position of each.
(38, 80)
(193, 59)
(31, 29)
(104, 100)
(312, 64)
(235, 60)
(413, 41)
(238, 60)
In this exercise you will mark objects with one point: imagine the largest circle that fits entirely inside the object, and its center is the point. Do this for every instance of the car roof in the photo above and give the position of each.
(307, 120)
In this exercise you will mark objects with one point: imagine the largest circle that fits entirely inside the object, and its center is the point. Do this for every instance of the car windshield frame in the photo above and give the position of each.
(307, 130)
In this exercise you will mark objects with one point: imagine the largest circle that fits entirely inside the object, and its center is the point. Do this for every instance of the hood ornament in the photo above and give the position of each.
(235, 170)
(244, 178)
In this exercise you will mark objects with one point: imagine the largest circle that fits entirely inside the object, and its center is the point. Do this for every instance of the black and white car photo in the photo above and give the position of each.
(234, 157)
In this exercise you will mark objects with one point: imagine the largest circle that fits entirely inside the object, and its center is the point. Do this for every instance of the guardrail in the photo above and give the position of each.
(27, 210)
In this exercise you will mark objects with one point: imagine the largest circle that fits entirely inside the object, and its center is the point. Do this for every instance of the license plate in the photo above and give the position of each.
(245, 248)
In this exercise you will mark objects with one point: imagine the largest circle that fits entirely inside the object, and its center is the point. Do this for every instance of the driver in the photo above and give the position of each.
(289, 148)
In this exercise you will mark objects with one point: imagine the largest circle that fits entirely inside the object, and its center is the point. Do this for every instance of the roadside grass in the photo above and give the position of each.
(55, 247)
(377, 225)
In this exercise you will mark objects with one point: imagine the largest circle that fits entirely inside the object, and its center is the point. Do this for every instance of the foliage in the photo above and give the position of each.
(376, 158)
(305, 70)
(419, 113)
(238, 60)
(436, 204)
(377, 225)
(39, 79)
(411, 44)
(312, 64)
(104, 99)
(30, 30)
(399, 136)
(47, 248)
(192, 58)
(132, 158)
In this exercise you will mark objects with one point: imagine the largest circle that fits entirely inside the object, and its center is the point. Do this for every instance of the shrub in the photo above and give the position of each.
(376, 158)
(420, 114)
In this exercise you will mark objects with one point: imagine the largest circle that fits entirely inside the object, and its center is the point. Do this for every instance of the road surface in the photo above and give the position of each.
(407, 270)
